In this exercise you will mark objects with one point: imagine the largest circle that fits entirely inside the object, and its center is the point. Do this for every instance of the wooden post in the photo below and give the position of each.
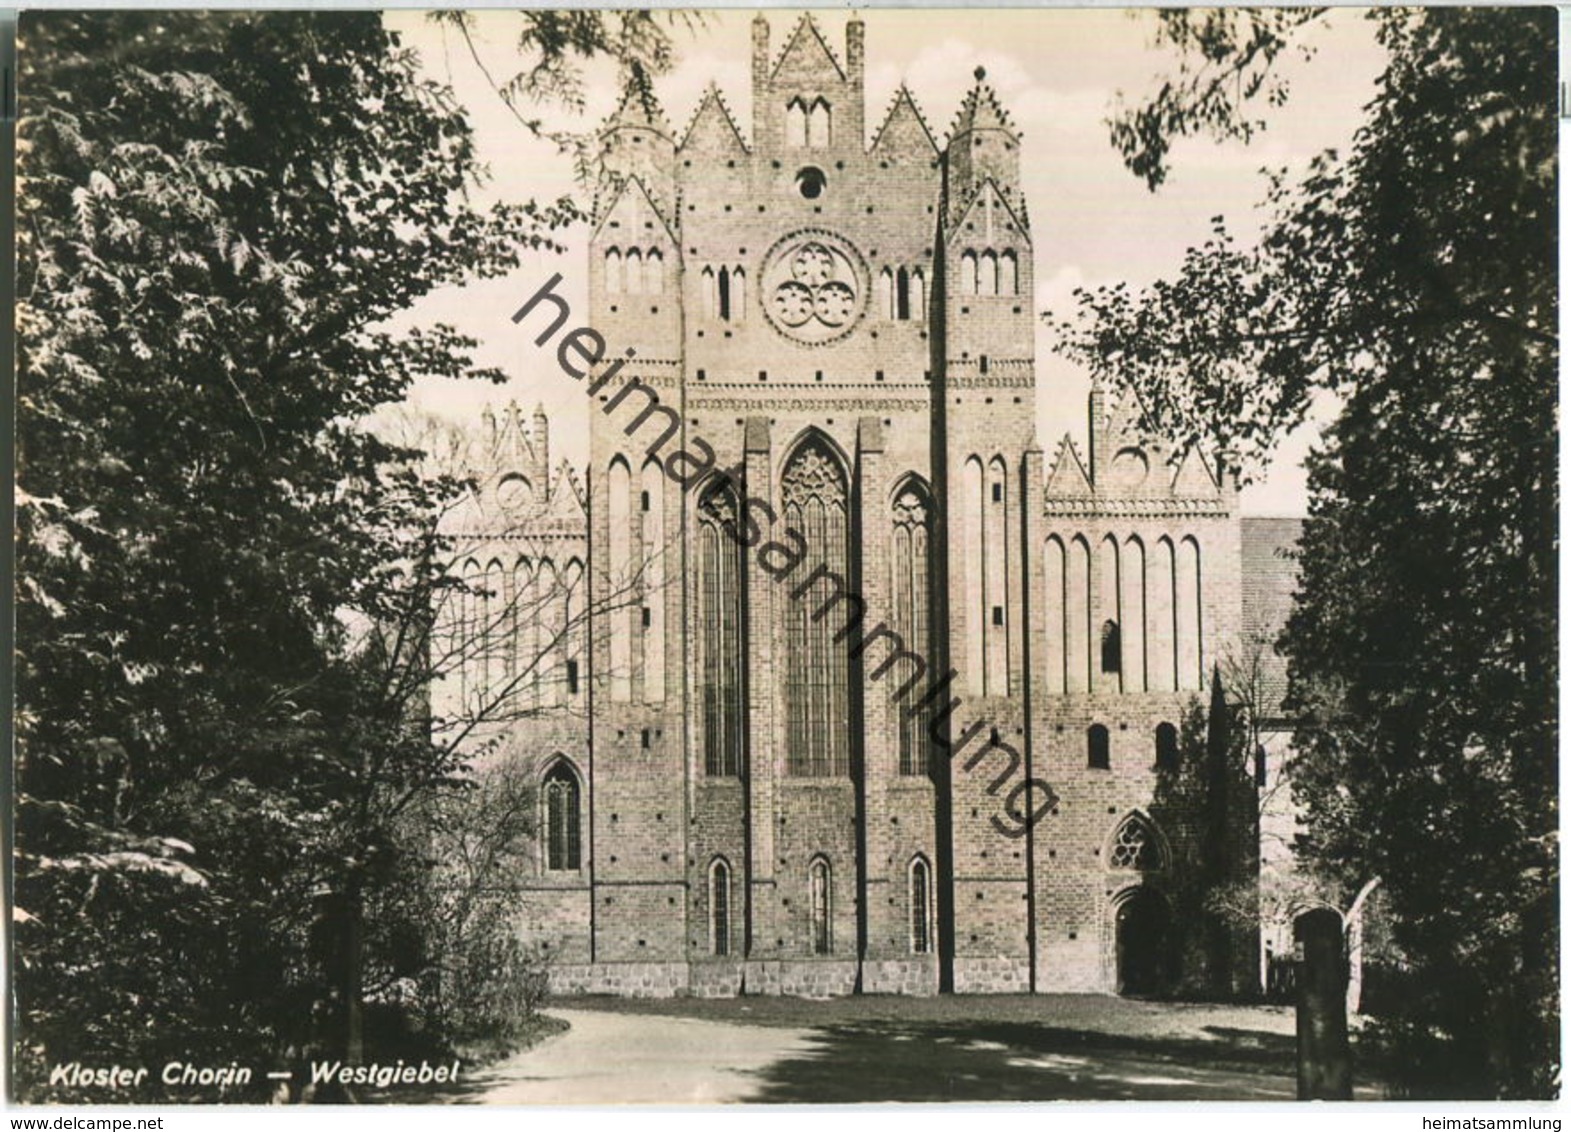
(1325, 1070)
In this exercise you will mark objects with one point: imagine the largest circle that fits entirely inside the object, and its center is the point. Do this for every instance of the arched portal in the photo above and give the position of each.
(1143, 943)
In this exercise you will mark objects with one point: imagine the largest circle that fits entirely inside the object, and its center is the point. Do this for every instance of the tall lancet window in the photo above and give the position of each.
(813, 489)
(818, 125)
(820, 895)
(913, 517)
(656, 558)
(563, 844)
(720, 649)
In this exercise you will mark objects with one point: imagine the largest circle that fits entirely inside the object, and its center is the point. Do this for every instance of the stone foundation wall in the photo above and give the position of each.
(915, 976)
(992, 976)
(628, 980)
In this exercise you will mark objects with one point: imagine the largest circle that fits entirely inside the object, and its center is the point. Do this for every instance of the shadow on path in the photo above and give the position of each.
(881, 1061)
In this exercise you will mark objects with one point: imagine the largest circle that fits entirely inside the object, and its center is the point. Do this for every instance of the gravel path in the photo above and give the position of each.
(626, 1059)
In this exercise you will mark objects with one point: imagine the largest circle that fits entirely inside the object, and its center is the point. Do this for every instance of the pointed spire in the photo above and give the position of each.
(540, 442)
(981, 110)
(639, 108)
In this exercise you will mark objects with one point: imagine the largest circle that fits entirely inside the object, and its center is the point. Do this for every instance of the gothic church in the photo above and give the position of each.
(732, 800)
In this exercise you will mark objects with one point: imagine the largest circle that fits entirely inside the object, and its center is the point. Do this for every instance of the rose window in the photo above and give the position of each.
(813, 288)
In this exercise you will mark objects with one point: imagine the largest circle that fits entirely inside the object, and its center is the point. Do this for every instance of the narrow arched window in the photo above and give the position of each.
(1166, 747)
(819, 897)
(796, 124)
(622, 580)
(720, 907)
(469, 611)
(813, 490)
(918, 294)
(921, 904)
(613, 272)
(818, 125)
(526, 632)
(1097, 744)
(725, 294)
(654, 272)
(561, 819)
(738, 294)
(913, 516)
(720, 635)
(1008, 274)
(1112, 647)
(573, 636)
(968, 273)
(542, 680)
(711, 293)
(492, 618)
(987, 274)
(656, 559)
(884, 294)
(903, 294)
(635, 271)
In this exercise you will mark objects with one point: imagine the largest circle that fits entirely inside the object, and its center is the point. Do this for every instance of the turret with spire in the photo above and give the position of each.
(983, 144)
(637, 142)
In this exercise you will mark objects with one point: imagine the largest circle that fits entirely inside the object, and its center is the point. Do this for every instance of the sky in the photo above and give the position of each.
(1058, 72)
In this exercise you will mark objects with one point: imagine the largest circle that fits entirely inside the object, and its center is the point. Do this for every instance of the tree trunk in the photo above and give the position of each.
(354, 974)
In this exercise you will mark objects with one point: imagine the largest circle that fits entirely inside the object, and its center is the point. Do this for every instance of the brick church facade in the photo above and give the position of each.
(733, 800)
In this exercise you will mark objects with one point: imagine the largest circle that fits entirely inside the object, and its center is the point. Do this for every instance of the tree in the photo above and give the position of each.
(221, 212)
(1415, 280)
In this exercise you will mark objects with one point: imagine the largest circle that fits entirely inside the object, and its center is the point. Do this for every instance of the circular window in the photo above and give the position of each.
(810, 182)
(814, 286)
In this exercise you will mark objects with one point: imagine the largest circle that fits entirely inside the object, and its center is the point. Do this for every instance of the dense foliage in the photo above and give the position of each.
(225, 586)
(1415, 279)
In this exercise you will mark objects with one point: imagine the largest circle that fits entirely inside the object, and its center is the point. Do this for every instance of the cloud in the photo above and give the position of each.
(941, 74)
(1055, 294)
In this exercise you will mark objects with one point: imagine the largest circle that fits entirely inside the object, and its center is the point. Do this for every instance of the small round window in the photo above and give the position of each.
(810, 182)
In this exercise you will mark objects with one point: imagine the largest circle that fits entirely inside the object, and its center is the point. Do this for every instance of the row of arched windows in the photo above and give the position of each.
(634, 272)
(636, 585)
(820, 906)
(900, 294)
(814, 496)
(1099, 747)
(724, 293)
(1145, 607)
(989, 273)
(808, 124)
(516, 634)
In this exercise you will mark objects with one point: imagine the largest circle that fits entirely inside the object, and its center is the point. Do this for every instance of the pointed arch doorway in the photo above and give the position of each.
(1143, 944)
